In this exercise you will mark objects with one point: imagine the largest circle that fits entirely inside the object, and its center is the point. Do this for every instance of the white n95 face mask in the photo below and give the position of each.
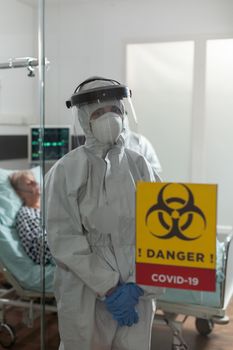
(107, 128)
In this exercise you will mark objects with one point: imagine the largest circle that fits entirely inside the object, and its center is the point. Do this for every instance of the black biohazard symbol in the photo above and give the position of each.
(175, 227)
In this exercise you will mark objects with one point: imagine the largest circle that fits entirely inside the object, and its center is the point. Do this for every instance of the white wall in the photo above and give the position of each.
(218, 146)
(17, 39)
(18, 92)
(161, 77)
(87, 38)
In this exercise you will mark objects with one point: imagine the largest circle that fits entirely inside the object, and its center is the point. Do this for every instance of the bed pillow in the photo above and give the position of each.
(37, 173)
(10, 202)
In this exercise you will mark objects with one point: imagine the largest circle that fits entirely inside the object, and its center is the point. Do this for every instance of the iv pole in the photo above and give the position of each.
(41, 66)
(29, 62)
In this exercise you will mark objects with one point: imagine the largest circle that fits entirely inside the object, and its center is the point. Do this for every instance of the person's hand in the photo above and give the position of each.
(134, 290)
(121, 303)
(129, 319)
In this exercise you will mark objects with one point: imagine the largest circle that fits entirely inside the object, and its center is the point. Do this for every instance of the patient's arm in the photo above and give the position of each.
(30, 232)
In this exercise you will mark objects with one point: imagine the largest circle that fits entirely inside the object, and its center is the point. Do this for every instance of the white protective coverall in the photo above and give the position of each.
(90, 198)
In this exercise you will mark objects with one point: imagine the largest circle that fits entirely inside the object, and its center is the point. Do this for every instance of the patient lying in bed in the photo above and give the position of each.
(28, 217)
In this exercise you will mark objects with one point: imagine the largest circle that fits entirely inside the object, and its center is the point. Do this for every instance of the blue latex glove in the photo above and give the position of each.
(122, 301)
(123, 297)
(129, 319)
(134, 290)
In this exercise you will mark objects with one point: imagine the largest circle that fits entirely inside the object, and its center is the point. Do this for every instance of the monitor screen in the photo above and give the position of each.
(57, 142)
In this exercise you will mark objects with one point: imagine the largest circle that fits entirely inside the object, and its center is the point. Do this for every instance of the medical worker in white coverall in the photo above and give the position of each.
(90, 202)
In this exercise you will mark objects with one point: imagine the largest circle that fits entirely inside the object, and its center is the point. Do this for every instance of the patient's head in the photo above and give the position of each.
(25, 185)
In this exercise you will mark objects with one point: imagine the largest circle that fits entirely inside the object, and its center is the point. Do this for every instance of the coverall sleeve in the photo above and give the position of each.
(66, 239)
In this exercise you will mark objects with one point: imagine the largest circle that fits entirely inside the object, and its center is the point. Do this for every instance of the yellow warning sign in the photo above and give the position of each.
(176, 224)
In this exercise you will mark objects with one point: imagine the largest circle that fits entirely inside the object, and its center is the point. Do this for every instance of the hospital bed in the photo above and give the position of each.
(208, 308)
(22, 275)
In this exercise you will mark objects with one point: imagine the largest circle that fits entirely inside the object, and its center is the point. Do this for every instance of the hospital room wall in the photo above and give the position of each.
(91, 39)
(85, 38)
(18, 38)
(18, 92)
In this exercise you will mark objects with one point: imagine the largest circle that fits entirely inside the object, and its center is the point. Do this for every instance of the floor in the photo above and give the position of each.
(221, 337)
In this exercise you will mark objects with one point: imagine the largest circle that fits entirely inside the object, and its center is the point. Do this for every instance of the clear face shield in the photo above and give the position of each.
(104, 112)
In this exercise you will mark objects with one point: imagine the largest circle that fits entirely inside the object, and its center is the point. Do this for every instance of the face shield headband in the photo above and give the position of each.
(99, 94)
